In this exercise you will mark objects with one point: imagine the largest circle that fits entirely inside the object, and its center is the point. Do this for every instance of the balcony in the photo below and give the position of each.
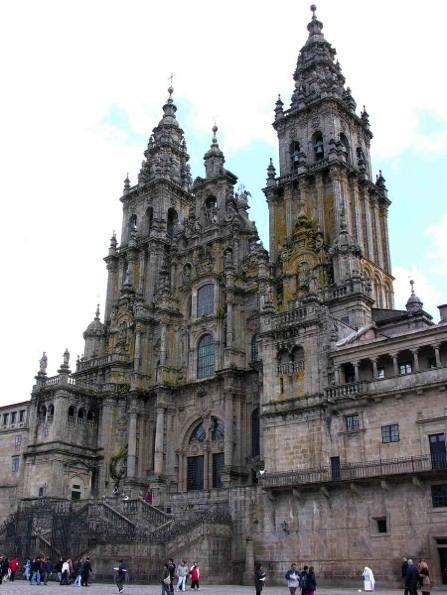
(355, 471)
(349, 391)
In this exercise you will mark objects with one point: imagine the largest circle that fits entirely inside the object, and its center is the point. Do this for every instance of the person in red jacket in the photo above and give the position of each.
(195, 575)
(13, 565)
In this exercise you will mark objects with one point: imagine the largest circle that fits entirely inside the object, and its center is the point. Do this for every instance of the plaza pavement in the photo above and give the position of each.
(20, 587)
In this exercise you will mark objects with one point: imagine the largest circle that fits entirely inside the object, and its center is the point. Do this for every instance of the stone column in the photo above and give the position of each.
(137, 354)
(249, 561)
(320, 200)
(132, 441)
(141, 272)
(105, 435)
(159, 440)
(356, 371)
(437, 356)
(163, 347)
(386, 241)
(228, 440)
(374, 364)
(336, 189)
(415, 353)
(395, 364)
(112, 268)
(337, 375)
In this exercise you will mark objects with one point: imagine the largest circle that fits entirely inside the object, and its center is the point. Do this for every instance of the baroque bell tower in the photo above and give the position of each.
(328, 219)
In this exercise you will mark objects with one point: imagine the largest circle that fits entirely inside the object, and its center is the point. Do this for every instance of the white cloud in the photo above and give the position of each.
(437, 252)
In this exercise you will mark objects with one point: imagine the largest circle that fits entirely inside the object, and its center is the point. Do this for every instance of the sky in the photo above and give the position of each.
(82, 87)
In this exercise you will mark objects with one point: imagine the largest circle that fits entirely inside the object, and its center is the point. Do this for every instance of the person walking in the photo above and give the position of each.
(259, 578)
(368, 579)
(293, 578)
(86, 570)
(35, 571)
(172, 568)
(424, 578)
(404, 569)
(412, 578)
(121, 571)
(311, 583)
(27, 570)
(13, 566)
(4, 567)
(182, 573)
(58, 569)
(65, 573)
(195, 576)
(47, 570)
(165, 580)
(77, 572)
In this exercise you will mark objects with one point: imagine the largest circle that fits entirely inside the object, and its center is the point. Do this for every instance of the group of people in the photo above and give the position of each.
(39, 570)
(416, 577)
(302, 580)
(8, 568)
(173, 573)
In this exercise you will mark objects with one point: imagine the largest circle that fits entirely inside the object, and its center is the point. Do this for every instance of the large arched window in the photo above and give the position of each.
(205, 300)
(149, 219)
(205, 357)
(318, 146)
(172, 222)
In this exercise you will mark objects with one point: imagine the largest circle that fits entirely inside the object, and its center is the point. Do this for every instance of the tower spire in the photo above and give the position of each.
(214, 158)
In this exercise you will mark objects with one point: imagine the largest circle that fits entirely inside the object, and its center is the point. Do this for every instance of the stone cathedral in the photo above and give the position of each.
(236, 404)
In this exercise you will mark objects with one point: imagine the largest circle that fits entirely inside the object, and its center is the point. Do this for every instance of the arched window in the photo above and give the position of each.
(132, 223)
(90, 416)
(255, 341)
(318, 146)
(255, 435)
(50, 413)
(81, 415)
(172, 222)
(346, 149)
(43, 413)
(71, 415)
(198, 434)
(294, 150)
(205, 357)
(149, 219)
(205, 300)
(218, 429)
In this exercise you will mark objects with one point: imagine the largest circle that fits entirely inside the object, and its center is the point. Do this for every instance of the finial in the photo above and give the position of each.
(412, 286)
(97, 312)
(171, 88)
(313, 8)
(126, 184)
(43, 363)
(214, 129)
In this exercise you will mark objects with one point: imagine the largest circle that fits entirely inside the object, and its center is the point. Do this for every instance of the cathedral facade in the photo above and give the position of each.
(280, 387)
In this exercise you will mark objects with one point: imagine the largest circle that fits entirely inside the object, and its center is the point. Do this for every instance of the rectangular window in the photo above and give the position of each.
(205, 300)
(405, 368)
(390, 433)
(439, 495)
(352, 423)
(335, 468)
(75, 495)
(41, 492)
(218, 465)
(380, 373)
(195, 473)
(13, 417)
(18, 441)
(15, 464)
(381, 525)
(22, 415)
(5, 419)
(432, 362)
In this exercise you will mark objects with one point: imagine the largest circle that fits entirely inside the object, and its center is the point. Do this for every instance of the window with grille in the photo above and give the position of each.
(18, 441)
(255, 348)
(405, 368)
(218, 429)
(195, 473)
(199, 434)
(205, 357)
(205, 300)
(390, 433)
(15, 464)
(439, 495)
(218, 465)
(352, 423)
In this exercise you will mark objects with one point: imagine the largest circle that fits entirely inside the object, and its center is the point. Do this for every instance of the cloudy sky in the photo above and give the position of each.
(83, 85)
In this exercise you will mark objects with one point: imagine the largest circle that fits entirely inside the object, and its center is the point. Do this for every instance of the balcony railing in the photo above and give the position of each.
(355, 471)
(351, 389)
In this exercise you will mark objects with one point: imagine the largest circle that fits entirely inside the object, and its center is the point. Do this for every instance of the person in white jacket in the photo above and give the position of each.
(182, 573)
(368, 579)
